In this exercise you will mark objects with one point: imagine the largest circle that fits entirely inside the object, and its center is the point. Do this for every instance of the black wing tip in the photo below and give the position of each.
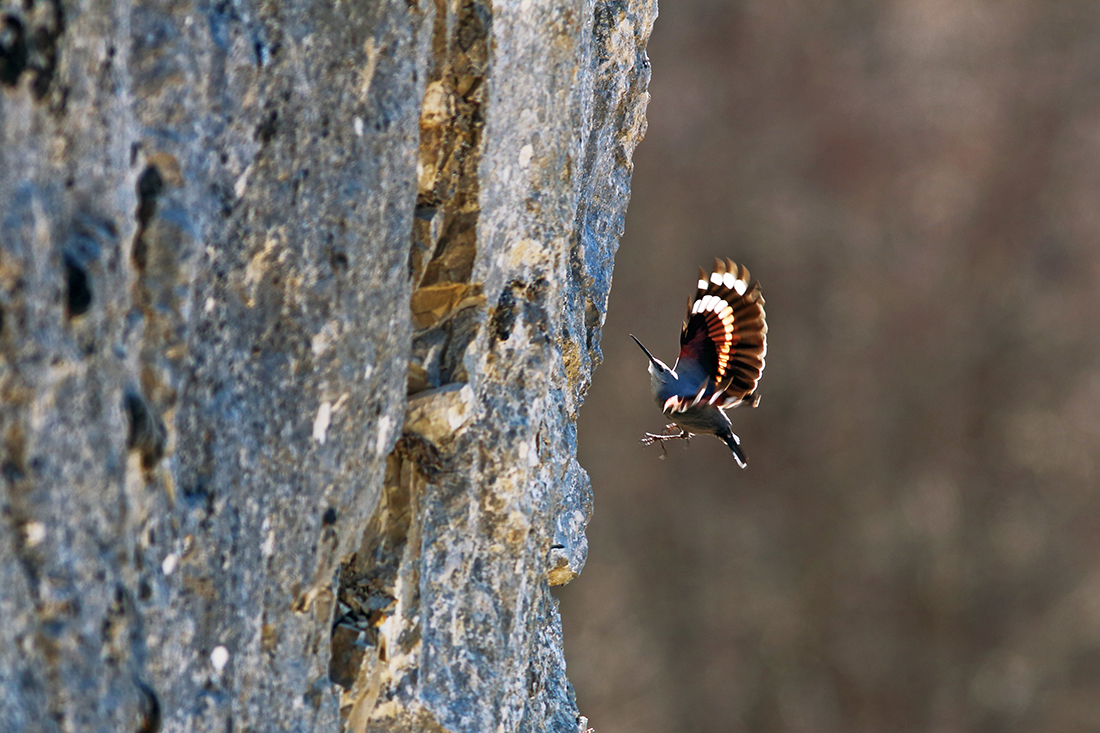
(738, 270)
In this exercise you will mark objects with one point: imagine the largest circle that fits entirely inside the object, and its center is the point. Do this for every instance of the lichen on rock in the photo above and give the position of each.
(298, 303)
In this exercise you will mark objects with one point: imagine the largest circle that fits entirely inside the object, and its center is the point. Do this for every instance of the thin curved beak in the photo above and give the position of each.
(651, 359)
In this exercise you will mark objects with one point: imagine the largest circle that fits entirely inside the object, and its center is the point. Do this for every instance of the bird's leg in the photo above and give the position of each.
(681, 434)
(660, 438)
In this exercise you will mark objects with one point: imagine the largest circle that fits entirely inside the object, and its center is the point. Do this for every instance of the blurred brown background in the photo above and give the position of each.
(915, 545)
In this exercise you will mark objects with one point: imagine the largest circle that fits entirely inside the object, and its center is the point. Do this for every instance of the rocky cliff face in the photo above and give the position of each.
(298, 303)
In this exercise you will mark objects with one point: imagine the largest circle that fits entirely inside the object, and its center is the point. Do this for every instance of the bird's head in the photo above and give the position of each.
(659, 372)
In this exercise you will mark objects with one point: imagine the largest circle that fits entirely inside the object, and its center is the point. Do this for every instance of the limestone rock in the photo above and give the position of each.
(235, 237)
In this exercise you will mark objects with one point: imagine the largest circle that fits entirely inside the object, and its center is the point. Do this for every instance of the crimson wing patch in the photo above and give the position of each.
(726, 333)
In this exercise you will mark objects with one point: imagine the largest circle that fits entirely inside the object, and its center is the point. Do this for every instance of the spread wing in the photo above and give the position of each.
(726, 333)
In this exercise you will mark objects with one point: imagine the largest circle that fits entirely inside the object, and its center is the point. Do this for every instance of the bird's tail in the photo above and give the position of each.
(734, 443)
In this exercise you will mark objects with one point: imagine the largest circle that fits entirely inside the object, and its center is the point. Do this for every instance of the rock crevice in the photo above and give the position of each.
(298, 303)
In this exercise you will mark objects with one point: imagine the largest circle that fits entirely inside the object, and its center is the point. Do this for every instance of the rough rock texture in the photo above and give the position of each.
(298, 303)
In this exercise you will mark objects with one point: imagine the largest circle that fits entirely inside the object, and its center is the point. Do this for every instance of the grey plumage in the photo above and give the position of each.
(722, 347)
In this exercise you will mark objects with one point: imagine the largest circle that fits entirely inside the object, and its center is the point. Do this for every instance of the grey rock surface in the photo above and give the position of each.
(298, 303)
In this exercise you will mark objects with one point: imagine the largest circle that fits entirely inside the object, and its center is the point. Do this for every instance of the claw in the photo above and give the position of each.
(660, 438)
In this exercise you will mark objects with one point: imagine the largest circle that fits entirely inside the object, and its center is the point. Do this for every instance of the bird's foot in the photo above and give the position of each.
(660, 438)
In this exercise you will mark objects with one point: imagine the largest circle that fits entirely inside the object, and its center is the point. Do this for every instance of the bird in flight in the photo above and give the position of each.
(722, 347)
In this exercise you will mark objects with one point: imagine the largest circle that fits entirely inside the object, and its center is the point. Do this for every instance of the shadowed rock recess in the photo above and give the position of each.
(298, 303)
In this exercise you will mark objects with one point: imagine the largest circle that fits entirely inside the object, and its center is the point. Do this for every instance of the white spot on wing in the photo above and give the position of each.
(729, 279)
(740, 286)
(716, 278)
(703, 285)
